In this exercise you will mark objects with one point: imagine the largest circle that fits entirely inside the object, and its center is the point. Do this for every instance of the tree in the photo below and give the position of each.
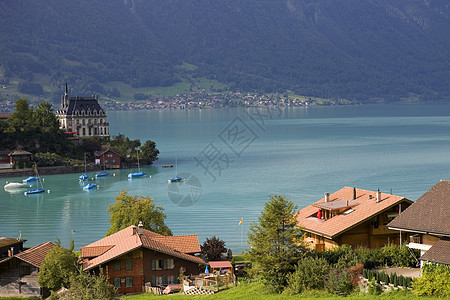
(213, 248)
(58, 266)
(149, 153)
(129, 210)
(89, 287)
(276, 242)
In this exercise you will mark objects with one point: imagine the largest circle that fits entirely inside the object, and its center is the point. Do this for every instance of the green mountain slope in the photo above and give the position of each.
(347, 48)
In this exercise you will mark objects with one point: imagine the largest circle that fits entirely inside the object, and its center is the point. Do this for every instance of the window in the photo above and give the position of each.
(157, 264)
(171, 279)
(129, 265)
(117, 283)
(157, 280)
(128, 281)
(169, 264)
(117, 266)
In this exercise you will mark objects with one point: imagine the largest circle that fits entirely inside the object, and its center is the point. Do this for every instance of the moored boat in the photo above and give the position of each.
(136, 174)
(31, 179)
(83, 177)
(89, 186)
(102, 174)
(15, 185)
(34, 191)
(175, 179)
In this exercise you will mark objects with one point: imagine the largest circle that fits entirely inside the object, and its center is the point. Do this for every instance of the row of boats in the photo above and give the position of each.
(28, 182)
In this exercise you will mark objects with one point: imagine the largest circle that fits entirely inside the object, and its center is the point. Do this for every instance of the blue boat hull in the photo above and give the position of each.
(31, 179)
(102, 174)
(137, 174)
(83, 177)
(89, 186)
(34, 191)
(175, 179)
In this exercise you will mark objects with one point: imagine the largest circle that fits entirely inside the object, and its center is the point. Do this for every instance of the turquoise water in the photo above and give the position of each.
(246, 155)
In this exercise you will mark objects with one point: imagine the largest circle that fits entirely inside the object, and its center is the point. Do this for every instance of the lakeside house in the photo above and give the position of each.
(82, 116)
(9, 157)
(19, 272)
(108, 159)
(427, 223)
(134, 257)
(352, 216)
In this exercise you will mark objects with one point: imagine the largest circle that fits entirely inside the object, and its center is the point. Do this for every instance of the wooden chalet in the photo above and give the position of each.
(19, 273)
(108, 159)
(427, 223)
(351, 216)
(9, 157)
(135, 257)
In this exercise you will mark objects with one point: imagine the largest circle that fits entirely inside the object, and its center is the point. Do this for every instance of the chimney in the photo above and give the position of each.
(134, 229)
(140, 228)
(354, 193)
(327, 197)
(378, 196)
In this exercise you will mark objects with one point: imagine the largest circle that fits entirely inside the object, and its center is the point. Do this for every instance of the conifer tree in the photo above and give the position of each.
(276, 242)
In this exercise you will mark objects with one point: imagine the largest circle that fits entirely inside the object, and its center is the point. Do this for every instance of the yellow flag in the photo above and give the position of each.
(240, 222)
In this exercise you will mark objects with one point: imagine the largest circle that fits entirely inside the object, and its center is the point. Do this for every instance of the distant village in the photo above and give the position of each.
(206, 100)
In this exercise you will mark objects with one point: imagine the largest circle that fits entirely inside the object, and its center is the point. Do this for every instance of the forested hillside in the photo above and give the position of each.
(335, 49)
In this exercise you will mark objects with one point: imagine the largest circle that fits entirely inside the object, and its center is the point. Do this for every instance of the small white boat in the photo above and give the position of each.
(15, 185)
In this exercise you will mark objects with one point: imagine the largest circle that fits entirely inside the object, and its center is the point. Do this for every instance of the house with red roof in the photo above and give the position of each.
(135, 257)
(19, 272)
(351, 216)
(427, 223)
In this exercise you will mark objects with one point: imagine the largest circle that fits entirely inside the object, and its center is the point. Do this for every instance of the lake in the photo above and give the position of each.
(233, 159)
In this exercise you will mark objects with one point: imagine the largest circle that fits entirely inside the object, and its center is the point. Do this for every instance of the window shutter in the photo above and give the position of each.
(164, 279)
(153, 280)
(153, 264)
(164, 264)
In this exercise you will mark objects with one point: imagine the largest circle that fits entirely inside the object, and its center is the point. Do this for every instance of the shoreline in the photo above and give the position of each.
(55, 170)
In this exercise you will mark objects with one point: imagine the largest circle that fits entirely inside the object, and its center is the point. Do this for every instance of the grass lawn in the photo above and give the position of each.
(256, 291)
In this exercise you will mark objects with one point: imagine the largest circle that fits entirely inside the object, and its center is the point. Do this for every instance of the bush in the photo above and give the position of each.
(435, 281)
(310, 273)
(339, 282)
(48, 159)
(374, 288)
(398, 257)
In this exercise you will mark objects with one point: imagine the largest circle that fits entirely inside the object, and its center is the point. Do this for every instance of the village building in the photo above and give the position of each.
(19, 272)
(10, 246)
(135, 258)
(10, 157)
(427, 223)
(108, 159)
(351, 216)
(82, 116)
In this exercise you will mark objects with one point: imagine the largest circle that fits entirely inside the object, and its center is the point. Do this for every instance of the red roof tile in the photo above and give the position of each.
(36, 255)
(125, 241)
(182, 243)
(366, 208)
(220, 264)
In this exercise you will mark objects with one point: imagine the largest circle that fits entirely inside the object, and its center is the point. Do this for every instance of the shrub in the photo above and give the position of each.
(310, 273)
(48, 159)
(374, 288)
(398, 257)
(339, 282)
(435, 281)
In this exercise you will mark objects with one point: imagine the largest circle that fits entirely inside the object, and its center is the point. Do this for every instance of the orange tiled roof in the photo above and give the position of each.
(36, 255)
(366, 208)
(182, 243)
(125, 241)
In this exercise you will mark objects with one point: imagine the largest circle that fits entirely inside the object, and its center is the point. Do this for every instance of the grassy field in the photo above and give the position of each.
(256, 291)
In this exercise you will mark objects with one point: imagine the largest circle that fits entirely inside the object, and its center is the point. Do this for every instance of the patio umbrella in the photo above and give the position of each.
(206, 270)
